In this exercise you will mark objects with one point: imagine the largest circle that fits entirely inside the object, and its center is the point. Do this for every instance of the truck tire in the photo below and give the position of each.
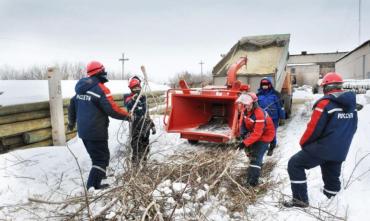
(287, 101)
(315, 89)
(193, 142)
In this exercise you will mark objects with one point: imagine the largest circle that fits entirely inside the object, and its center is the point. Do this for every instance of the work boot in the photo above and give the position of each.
(271, 149)
(103, 186)
(328, 195)
(270, 152)
(295, 203)
(249, 183)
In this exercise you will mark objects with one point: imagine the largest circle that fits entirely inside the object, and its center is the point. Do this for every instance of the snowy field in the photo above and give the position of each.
(28, 91)
(50, 172)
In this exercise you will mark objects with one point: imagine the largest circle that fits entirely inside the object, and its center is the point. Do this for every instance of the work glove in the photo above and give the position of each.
(154, 131)
(281, 122)
(241, 145)
(135, 96)
(359, 107)
(248, 151)
(70, 127)
(129, 117)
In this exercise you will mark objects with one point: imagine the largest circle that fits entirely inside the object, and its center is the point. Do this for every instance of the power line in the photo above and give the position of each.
(359, 21)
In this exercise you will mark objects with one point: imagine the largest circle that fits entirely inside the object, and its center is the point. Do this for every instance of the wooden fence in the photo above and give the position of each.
(29, 125)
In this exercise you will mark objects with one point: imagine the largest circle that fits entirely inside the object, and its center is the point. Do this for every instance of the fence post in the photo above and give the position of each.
(56, 107)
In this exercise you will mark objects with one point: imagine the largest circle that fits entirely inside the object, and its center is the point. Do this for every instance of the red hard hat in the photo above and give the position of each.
(331, 78)
(94, 67)
(253, 96)
(244, 87)
(133, 83)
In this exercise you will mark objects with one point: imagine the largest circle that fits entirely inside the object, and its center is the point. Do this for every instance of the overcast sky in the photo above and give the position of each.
(168, 36)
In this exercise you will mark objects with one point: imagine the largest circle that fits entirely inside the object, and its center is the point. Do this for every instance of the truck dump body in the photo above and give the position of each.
(267, 57)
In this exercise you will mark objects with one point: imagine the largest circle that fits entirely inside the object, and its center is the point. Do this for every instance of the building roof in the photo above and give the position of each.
(360, 46)
(315, 57)
(304, 64)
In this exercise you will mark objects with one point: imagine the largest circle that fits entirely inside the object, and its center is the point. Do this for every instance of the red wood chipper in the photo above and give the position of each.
(208, 113)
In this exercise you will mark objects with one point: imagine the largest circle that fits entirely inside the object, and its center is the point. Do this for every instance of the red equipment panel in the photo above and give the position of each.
(209, 115)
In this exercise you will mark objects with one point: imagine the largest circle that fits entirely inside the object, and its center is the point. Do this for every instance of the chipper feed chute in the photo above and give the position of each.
(208, 114)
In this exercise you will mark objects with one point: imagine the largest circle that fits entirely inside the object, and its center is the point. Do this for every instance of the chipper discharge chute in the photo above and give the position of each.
(207, 114)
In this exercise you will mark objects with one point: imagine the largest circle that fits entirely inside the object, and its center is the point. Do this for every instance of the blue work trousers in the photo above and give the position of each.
(302, 161)
(99, 154)
(257, 151)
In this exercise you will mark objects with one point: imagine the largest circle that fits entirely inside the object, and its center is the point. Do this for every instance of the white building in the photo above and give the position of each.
(308, 68)
(355, 64)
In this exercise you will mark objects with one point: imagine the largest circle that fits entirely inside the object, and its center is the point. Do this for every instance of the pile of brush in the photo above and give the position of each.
(191, 185)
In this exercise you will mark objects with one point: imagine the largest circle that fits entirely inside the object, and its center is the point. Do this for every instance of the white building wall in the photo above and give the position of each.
(356, 65)
(305, 74)
(367, 64)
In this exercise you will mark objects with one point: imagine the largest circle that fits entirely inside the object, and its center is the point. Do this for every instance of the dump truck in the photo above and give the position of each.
(210, 113)
(267, 57)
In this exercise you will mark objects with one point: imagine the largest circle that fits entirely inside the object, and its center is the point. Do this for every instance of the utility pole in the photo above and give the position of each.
(359, 22)
(123, 59)
(201, 68)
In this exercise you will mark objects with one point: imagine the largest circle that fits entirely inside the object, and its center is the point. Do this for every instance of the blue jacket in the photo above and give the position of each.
(91, 106)
(269, 100)
(129, 101)
(332, 126)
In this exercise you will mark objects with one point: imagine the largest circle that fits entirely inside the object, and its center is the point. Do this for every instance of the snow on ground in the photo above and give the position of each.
(27, 91)
(353, 200)
(51, 173)
(302, 93)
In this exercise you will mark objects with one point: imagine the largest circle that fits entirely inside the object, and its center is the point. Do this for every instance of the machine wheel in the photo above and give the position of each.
(193, 142)
(287, 101)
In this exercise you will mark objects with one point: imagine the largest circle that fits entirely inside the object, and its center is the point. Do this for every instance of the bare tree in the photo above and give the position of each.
(193, 80)
(72, 70)
(35, 73)
(68, 70)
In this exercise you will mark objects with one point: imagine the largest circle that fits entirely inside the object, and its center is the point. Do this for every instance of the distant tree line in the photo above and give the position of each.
(193, 80)
(69, 71)
(75, 71)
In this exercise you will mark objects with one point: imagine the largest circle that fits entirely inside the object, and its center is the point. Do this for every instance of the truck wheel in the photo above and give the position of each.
(193, 142)
(287, 105)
